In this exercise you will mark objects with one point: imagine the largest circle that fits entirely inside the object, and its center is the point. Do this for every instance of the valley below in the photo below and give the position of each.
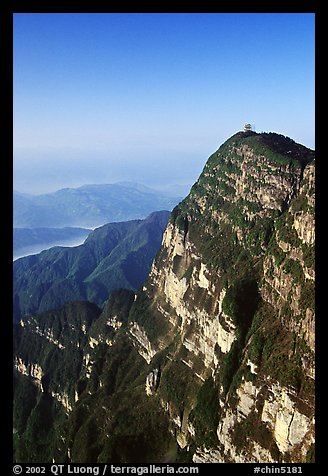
(29, 241)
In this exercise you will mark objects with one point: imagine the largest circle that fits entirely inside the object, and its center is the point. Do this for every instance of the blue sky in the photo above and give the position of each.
(148, 97)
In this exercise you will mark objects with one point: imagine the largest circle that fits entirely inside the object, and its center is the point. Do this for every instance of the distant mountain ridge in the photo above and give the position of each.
(113, 256)
(89, 206)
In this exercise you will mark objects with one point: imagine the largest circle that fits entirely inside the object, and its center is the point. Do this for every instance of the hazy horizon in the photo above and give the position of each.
(147, 98)
(171, 189)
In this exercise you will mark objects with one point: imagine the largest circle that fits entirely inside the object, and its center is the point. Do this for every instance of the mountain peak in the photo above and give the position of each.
(282, 148)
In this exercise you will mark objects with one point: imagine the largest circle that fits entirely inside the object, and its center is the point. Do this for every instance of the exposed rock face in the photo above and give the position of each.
(247, 393)
(289, 426)
(29, 370)
(145, 347)
(63, 399)
(288, 429)
(152, 382)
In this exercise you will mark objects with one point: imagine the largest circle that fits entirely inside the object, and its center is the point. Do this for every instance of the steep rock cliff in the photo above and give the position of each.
(231, 293)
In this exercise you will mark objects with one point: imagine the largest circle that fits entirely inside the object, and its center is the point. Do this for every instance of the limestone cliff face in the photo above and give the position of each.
(231, 299)
(47, 349)
(29, 370)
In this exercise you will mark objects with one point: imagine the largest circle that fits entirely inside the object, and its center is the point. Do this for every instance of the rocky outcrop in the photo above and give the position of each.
(152, 381)
(144, 345)
(285, 425)
(288, 424)
(32, 370)
(63, 399)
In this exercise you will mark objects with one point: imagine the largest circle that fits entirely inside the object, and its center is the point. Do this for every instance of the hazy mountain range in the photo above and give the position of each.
(89, 206)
